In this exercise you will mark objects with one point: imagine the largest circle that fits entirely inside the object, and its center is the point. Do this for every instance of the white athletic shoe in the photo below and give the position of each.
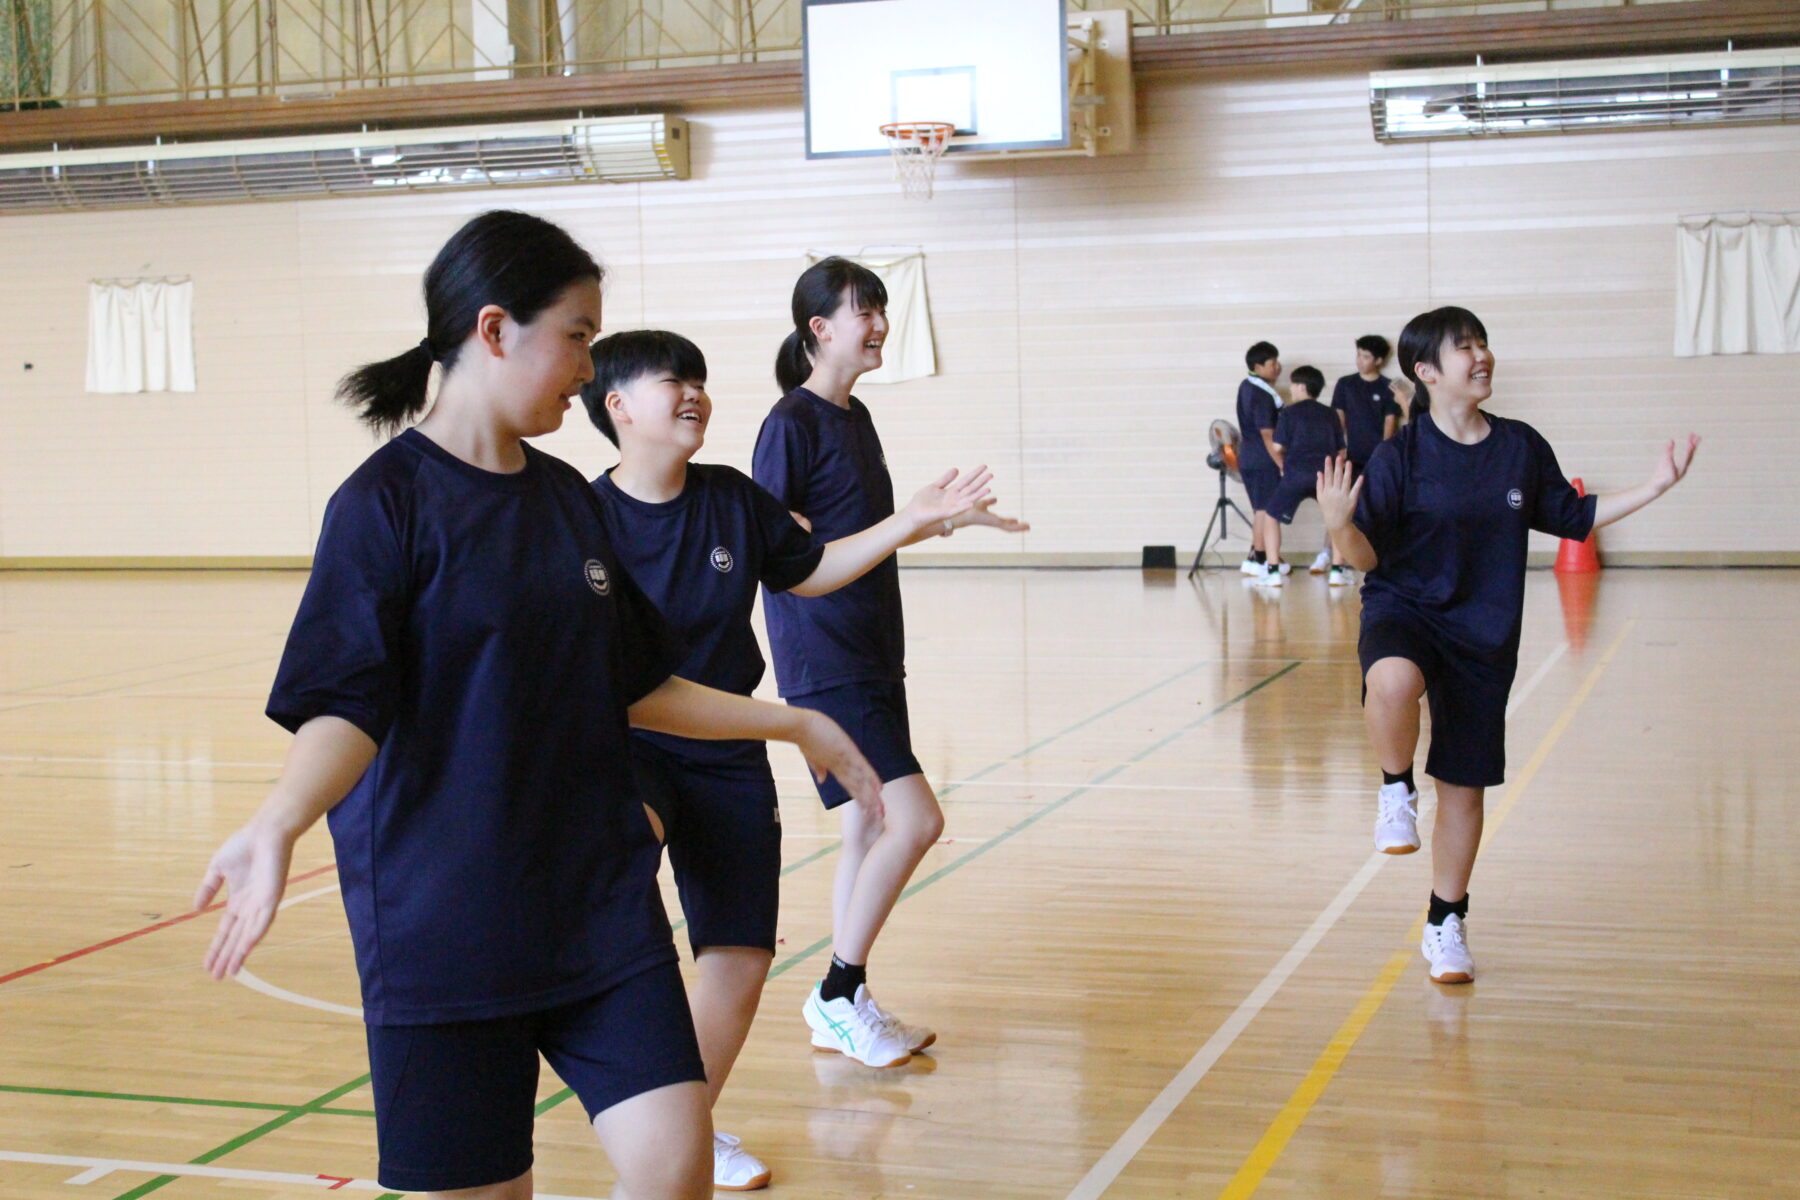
(735, 1169)
(1320, 561)
(1286, 567)
(1271, 576)
(914, 1037)
(854, 1028)
(1250, 567)
(1339, 577)
(1397, 822)
(1446, 948)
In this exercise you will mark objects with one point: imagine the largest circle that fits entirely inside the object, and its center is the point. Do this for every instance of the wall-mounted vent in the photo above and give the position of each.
(1747, 87)
(601, 150)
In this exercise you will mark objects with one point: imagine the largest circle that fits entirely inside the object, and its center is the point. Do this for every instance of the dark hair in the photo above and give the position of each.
(1311, 378)
(819, 292)
(515, 260)
(1259, 354)
(623, 358)
(1425, 335)
(1375, 344)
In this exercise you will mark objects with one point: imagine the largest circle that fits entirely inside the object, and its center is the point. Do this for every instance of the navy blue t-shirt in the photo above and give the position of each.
(1366, 405)
(1256, 411)
(1308, 434)
(1449, 522)
(494, 858)
(699, 558)
(825, 463)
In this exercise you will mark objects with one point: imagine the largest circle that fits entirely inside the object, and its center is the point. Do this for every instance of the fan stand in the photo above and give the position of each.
(1221, 517)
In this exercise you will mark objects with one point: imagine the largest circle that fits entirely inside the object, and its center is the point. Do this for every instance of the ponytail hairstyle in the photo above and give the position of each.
(1424, 336)
(819, 292)
(515, 260)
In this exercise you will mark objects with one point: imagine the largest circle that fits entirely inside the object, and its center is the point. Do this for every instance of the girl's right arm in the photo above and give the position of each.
(926, 515)
(328, 756)
(1337, 497)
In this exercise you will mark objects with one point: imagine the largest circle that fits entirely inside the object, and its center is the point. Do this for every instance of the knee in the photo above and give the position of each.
(1394, 683)
(921, 829)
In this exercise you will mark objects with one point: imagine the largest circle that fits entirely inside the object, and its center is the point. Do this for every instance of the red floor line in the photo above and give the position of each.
(126, 937)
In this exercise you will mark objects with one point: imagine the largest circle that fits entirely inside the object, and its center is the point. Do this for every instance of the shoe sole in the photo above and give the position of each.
(756, 1184)
(898, 1062)
(930, 1039)
(1398, 849)
(1453, 977)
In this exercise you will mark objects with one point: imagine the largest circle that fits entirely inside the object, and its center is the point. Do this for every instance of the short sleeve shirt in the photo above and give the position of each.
(700, 557)
(825, 463)
(1256, 411)
(494, 858)
(1308, 434)
(1366, 405)
(1449, 524)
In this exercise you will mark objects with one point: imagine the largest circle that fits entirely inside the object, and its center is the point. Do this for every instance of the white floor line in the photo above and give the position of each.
(257, 983)
(1119, 1155)
(98, 1168)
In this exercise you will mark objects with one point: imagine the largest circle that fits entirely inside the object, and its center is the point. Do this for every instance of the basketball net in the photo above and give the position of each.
(917, 146)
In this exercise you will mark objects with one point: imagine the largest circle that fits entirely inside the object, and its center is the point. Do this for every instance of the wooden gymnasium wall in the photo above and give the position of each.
(1090, 319)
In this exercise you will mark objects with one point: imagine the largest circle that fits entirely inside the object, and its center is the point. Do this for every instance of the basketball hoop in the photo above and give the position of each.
(917, 146)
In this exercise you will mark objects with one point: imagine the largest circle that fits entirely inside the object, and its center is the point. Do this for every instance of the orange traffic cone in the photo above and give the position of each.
(1578, 591)
(1574, 558)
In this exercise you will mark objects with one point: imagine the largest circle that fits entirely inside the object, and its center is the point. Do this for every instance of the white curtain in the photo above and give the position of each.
(908, 352)
(1737, 285)
(140, 336)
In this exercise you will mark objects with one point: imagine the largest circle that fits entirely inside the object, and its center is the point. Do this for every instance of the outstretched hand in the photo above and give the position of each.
(829, 751)
(253, 866)
(950, 495)
(1336, 494)
(983, 514)
(1674, 466)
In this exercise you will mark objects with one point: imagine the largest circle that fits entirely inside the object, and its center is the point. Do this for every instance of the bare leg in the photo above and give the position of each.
(660, 1143)
(860, 835)
(1272, 539)
(913, 824)
(1391, 712)
(1256, 529)
(1455, 839)
(724, 1001)
(512, 1189)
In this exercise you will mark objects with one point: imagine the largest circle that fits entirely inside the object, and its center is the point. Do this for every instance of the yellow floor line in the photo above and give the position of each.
(1294, 1112)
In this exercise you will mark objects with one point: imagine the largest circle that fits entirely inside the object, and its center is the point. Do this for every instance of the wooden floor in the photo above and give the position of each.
(1161, 956)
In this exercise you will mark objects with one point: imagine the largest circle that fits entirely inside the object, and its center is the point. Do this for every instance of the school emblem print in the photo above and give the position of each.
(721, 559)
(595, 573)
(1516, 498)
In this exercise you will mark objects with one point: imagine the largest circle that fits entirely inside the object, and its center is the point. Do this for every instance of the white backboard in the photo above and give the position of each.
(996, 69)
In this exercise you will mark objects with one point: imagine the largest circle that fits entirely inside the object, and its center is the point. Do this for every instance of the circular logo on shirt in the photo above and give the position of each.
(595, 573)
(1516, 498)
(720, 559)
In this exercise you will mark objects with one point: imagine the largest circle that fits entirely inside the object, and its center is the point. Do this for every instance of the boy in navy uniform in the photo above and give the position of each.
(1365, 402)
(1306, 434)
(1258, 404)
(698, 539)
(1440, 523)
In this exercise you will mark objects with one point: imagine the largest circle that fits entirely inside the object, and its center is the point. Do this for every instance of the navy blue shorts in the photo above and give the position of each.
(1467, 697)
(1260, 484)
(874, 715)
(1294, 487)
(454, 1104)
(723, 832)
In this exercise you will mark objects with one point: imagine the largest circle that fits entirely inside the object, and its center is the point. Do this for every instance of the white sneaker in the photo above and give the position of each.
(1339, 577)
(1250, 567)
(735, 1169)
(1286, 567)
(914, 1037)
(1397, 822)
(1446, 948)
(1320, 561)
(855, 1029)
(1271, 576)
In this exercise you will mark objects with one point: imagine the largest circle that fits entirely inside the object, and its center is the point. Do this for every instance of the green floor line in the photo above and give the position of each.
(244, 1139)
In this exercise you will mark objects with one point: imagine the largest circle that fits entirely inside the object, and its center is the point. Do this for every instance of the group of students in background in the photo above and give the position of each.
(509, 686)
(1285, 443)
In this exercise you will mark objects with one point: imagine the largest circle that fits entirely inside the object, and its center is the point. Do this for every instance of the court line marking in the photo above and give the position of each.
(1137, 1135)
(192, 1101)
(99, 1168)
(138, 933)
(1287, 1122)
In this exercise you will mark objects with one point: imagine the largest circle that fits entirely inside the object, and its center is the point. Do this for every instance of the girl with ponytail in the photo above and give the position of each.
(843, 654)
(1439, 521)
(460, 681)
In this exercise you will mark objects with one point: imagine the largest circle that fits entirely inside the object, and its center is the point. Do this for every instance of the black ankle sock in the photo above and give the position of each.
(1259, 556)
(1443, 908)
(1403, 777)
(842, 980)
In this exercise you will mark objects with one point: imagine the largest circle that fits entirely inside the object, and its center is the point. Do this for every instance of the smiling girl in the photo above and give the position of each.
(1440, 522)
(460, 679)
